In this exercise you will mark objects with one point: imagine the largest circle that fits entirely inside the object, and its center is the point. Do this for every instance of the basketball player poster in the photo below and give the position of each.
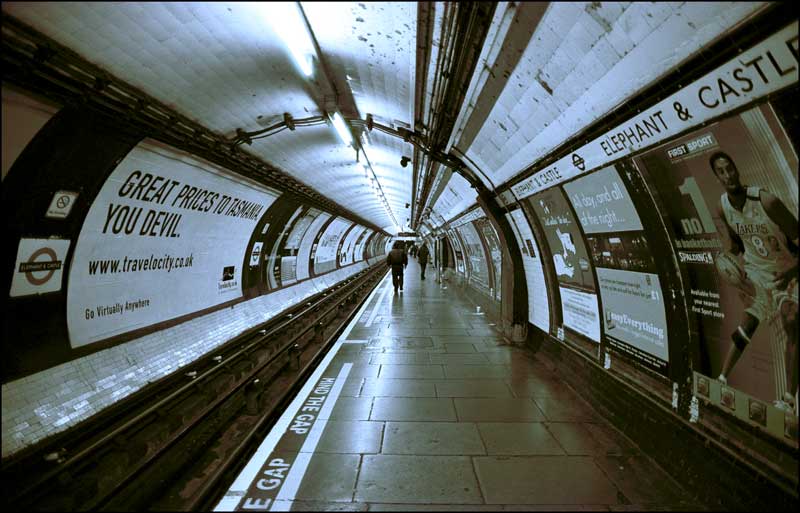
(729, 194)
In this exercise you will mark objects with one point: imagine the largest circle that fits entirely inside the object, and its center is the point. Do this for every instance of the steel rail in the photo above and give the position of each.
(212, 484)
(253, 340)
(287, 347)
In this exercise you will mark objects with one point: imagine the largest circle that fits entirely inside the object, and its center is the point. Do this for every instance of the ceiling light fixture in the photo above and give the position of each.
(288, 21)
(374, 182)
(341, 129)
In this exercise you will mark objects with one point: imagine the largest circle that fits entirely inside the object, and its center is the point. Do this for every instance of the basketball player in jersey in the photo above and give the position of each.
(764, 232)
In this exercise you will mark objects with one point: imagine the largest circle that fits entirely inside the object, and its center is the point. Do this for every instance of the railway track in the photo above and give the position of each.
(176, 444)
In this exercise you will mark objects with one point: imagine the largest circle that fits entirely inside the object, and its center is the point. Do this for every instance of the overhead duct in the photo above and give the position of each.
(464, 30)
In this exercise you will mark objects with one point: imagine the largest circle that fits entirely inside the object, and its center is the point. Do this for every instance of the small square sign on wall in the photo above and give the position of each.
(61, 205)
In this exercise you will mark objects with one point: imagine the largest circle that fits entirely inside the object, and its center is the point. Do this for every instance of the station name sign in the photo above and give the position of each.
(763, 69)
(470, 216)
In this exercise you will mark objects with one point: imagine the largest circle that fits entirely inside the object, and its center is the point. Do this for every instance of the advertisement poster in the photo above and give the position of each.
(479, 273)
(291, 247)
(165, 236)
(459, 253)
(374, 242)
(325, 255)
(306, 247)
(633, 310)
(538, 300)
(730, 194)
(571, 262)
(486, 229)
(281, 217)
(633, 305)
(349, 246)
(361, 243)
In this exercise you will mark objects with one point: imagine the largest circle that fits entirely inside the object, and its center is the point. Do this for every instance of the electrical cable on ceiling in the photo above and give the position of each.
(288, 122)
(269, 134)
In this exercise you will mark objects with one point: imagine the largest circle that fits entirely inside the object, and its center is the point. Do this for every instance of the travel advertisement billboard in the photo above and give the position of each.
(166, 236)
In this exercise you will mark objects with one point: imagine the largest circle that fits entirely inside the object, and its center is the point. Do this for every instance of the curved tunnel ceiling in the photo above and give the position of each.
(224, 66)
(546, 71)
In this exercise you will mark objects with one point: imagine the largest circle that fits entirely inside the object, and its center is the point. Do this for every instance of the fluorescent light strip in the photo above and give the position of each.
(288, 23)
(341, 129)
(378, 189)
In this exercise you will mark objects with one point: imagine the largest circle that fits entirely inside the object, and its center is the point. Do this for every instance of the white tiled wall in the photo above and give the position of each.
(583, 61)
(40, 405)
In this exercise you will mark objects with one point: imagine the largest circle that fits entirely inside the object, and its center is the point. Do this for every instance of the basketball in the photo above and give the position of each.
(729, 268)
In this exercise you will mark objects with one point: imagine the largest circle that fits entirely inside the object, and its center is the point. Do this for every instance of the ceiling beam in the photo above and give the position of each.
(425, 22)
(464, 30)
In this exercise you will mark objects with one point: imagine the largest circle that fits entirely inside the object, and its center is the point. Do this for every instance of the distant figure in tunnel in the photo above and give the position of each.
(397, 260)
(422, 257)
(764, 232)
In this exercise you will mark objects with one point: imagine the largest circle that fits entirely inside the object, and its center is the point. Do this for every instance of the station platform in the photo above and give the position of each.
(421, 405)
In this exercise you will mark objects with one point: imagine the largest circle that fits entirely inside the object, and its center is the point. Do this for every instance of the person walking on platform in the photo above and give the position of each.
(422, 257)
(397, 260)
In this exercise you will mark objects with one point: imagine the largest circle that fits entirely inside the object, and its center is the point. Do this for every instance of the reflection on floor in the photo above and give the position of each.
(437, 413)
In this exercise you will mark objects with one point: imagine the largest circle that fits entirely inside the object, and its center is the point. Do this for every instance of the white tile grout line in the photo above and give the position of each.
(240, 485)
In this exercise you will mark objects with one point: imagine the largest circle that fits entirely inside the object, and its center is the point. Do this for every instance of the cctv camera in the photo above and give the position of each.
(404, 161)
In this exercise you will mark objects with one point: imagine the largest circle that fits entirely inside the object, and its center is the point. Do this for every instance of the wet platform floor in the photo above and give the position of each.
(423, 406)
